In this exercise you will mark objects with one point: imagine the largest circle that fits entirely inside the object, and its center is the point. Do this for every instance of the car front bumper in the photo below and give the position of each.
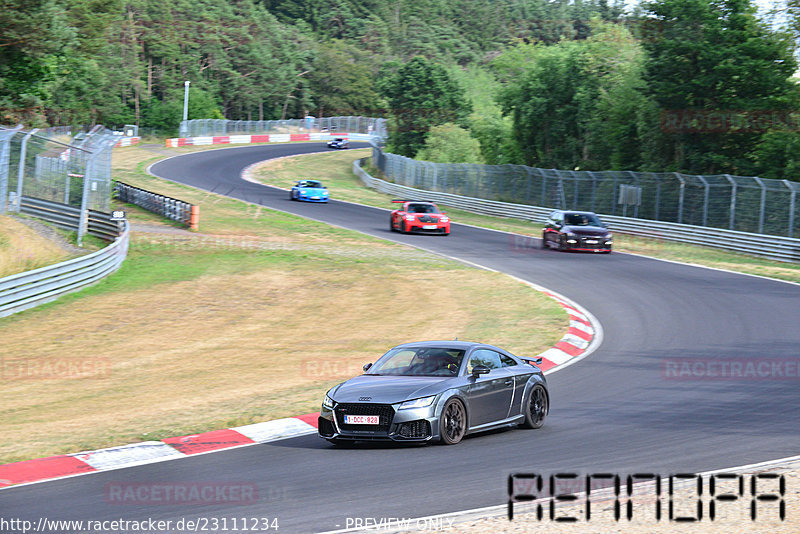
(588, 244)
(409, 425)
(428, 228)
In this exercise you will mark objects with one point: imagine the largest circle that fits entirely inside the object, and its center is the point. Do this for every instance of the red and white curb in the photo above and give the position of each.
(584, 333)
(265, 138)
(66, 465)
(573, 346)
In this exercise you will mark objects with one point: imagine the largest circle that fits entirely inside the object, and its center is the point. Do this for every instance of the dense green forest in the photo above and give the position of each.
(700, 86)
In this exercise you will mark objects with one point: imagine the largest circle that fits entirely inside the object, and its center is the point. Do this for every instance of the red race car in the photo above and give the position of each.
(419, 216)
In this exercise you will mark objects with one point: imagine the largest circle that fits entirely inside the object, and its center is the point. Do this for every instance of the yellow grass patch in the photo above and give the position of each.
(22, 249)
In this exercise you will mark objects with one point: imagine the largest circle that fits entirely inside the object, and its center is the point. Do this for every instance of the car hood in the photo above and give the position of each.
(313, 190)
(586, 230)
(387, 389)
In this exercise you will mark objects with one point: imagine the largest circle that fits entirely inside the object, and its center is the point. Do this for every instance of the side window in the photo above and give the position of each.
(486, 357)
(507, 361)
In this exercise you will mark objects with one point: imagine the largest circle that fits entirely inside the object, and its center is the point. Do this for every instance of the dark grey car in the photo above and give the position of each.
(436, 390)
(576, 230)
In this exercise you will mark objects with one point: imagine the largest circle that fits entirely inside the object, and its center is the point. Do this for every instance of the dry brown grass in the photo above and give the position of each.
(22, 249)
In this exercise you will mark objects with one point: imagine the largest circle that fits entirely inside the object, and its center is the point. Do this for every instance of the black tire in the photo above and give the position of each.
(562, 244)
(536, 407)
(544, 241)
(391, 225)
(291, 195)
(453, 422)
(403, 227)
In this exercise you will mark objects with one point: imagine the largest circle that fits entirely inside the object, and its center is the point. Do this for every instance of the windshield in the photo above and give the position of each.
(582, 219)
(311, 183)
(422, 208)
(419, 361)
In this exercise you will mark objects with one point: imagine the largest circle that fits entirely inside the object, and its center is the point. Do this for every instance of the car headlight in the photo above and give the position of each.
(444, 219)
(418, 403)
(410, 218)
(327, 402)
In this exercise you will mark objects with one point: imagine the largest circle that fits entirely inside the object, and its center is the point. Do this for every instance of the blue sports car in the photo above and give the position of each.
(309, 191)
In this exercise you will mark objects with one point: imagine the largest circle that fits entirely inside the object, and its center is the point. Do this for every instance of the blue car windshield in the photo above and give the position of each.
(419, 361)
(311, 183)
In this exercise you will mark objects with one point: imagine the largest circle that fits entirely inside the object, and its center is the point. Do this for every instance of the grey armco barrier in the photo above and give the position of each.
(25, 290)
(768, 246)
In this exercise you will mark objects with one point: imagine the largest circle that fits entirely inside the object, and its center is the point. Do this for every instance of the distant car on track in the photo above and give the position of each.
(309, 191)
(436, 391)
(419, 216)
(576, 230)
(339, 142)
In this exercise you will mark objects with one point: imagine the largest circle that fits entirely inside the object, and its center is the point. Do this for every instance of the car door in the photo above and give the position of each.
(489, 395)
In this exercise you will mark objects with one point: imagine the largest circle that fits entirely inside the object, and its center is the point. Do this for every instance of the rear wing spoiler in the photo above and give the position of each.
(532, 361)
(401, 201)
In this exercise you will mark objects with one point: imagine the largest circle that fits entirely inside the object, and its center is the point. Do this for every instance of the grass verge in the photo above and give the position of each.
(23, 249)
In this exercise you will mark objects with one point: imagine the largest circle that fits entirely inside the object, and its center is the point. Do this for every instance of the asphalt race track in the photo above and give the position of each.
(616, 411)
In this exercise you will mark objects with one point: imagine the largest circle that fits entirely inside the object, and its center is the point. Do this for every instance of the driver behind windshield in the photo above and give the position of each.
(427, 361)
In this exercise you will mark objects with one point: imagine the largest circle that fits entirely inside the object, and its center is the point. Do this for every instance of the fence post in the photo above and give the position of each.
(792, 198)
(705, 199)
(84, 215)
(5, 160)
(680, 198)
(760, 182)
(21, 172)
(734, 190)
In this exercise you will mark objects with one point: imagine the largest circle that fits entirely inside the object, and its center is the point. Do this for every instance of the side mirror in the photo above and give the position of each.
(367, 366)
(480, 370)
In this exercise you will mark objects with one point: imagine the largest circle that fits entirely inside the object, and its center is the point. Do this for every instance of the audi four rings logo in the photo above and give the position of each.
(364, 398)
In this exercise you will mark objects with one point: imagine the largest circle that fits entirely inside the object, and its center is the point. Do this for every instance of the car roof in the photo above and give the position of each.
(463, 345)
(575, 212)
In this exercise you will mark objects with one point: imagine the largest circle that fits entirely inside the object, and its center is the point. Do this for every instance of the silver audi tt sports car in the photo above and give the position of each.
(436, 391)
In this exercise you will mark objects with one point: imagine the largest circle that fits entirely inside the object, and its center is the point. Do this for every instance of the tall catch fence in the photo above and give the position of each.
(222, 127)
(59, 169)
(740, 203)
